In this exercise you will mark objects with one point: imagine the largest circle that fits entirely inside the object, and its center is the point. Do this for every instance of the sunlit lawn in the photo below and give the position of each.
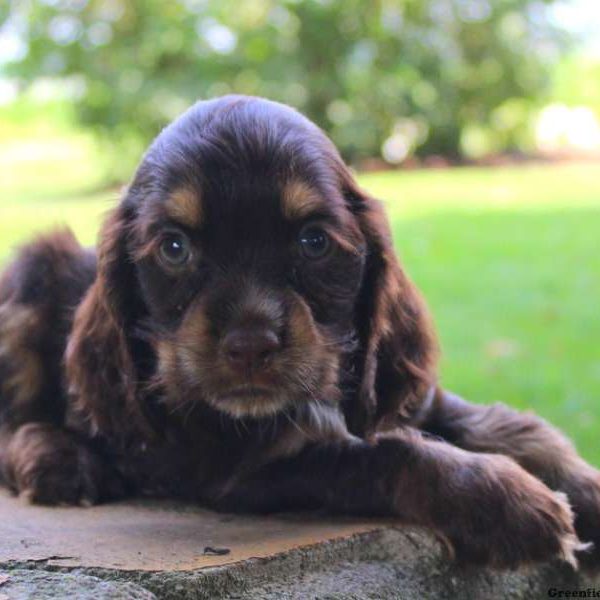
(509, 260)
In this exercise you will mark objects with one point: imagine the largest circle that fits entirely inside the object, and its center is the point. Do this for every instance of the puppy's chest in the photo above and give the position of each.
(176, 468)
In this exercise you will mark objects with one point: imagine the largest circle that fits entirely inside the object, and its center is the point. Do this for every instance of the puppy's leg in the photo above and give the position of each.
(48, 465)
(488, 509)
(38, 293)
(537, 446)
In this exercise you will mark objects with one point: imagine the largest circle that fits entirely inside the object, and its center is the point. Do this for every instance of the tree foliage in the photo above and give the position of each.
(422, 76)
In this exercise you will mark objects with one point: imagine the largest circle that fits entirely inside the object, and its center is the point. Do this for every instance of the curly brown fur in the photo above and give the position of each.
(39, 292)
(249, 340)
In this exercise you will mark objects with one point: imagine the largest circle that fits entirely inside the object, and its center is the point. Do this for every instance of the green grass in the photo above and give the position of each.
(508, 259)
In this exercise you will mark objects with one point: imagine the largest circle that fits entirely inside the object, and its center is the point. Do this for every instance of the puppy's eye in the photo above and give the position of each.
(314, 242)
(175, 249)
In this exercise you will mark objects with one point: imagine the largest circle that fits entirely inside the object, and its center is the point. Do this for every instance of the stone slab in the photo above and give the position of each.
(155, 550)
(155, 536)
(25, 584)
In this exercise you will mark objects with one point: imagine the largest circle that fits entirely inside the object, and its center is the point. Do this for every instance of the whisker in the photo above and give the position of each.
(293, 422)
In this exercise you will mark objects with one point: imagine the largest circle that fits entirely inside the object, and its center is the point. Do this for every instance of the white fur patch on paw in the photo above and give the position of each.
(570, 543)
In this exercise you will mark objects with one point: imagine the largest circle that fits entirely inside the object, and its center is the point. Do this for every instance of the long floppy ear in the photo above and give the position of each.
(100, 368)
(399, 346)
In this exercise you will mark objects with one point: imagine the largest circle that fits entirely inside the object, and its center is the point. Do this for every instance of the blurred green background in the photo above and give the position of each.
(476, 121)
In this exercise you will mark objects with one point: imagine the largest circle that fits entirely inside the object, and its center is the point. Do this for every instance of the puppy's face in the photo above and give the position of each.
(248, 258)
(244, 269)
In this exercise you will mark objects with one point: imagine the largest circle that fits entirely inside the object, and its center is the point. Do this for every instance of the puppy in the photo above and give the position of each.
(246, 338)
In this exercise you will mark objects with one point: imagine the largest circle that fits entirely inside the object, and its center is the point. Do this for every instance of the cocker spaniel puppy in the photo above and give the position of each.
(246, 338)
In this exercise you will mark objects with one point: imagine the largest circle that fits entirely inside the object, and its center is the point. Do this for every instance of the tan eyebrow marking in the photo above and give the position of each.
(299, 200)
(185, 205)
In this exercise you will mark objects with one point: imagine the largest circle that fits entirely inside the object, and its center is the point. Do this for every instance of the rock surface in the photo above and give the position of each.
(23, 584)
(148, 550)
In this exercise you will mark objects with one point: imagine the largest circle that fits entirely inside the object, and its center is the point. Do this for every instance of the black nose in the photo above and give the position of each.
(248, 349)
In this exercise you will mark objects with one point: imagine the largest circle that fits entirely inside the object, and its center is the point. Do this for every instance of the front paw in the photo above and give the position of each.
(583, 491)
(506, 518)
(46, 465)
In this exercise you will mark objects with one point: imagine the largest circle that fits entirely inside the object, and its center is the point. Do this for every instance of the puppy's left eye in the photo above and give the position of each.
(314, 242)
(175, 249)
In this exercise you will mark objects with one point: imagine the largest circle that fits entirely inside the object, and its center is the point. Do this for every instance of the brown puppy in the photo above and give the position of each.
(247, 339)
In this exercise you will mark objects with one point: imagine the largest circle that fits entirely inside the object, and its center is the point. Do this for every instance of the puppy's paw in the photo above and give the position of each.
(507, 518)
(583, 490)
(47, 466)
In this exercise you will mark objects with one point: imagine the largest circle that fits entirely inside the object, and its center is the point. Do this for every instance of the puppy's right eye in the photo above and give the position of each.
(175, 250)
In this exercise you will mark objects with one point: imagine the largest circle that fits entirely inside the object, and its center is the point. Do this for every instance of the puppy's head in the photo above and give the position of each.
(246, 270)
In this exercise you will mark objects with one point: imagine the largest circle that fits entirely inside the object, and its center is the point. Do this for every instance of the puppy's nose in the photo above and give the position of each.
(248, 349)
